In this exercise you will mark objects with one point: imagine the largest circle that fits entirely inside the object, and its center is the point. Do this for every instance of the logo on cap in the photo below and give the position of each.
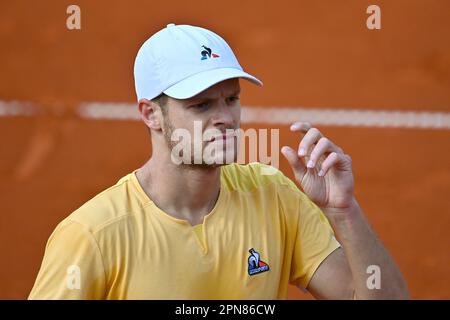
(207, 53)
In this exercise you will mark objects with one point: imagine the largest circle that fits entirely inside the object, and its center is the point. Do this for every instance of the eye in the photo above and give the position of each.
(200, 106)
(233, 99)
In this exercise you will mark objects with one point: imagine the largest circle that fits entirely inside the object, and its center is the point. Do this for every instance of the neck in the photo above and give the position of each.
(187, 193)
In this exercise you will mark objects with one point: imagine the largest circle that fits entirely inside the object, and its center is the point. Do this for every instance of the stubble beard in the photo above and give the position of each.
(169, 129)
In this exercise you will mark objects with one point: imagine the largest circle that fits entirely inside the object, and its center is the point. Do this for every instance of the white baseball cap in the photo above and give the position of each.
(182, 61)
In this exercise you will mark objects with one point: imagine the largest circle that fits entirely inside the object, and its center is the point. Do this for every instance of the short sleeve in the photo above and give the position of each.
(72, 267)
(314, 241)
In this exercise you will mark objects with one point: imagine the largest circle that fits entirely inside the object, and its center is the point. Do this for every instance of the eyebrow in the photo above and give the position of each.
(238, 91)
(196, 99)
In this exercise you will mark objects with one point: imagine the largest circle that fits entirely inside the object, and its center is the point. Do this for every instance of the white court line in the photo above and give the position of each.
(266, 115)
(110, 111)
(16, 108)
(348, 117)
(285, 116)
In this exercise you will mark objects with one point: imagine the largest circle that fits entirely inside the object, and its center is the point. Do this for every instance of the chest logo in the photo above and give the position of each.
(255, 265)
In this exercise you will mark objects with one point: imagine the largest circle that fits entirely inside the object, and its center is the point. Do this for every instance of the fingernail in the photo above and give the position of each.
(320, 174)
(302, 152)
(310, 164)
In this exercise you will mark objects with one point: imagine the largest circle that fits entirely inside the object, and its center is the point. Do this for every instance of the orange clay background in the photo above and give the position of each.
(315, 53)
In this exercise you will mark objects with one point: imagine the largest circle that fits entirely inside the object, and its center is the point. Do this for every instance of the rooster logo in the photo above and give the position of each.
(207, 53)
(255, 265)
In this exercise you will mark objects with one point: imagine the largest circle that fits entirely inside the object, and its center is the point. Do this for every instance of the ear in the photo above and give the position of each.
(150, 114)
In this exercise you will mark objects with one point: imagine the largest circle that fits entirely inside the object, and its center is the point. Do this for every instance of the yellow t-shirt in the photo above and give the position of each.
(262, 234)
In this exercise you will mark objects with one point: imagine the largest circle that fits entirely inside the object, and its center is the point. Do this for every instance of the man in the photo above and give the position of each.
(197, 229)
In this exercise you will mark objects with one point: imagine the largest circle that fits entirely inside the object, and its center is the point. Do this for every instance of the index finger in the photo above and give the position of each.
(303, 126)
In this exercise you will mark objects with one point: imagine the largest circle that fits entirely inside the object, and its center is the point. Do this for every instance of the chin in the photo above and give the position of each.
(221, 159)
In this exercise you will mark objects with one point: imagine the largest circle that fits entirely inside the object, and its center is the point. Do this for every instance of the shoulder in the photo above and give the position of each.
(273, 184)
(253, 176)
(113, 204)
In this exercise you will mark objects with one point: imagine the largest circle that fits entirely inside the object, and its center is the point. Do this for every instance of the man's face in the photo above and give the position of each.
(209, 119)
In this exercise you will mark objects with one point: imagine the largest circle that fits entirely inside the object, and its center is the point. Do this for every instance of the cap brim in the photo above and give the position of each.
(189, 87)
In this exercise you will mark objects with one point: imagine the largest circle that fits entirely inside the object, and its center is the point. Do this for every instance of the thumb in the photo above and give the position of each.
(296, 163)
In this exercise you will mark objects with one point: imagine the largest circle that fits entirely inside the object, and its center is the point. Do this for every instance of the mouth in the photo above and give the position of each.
(223, 137)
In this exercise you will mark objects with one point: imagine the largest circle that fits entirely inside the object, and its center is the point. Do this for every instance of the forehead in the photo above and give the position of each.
(224, 88)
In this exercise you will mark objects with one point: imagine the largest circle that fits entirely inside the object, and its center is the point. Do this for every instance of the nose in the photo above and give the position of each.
(224, 116)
